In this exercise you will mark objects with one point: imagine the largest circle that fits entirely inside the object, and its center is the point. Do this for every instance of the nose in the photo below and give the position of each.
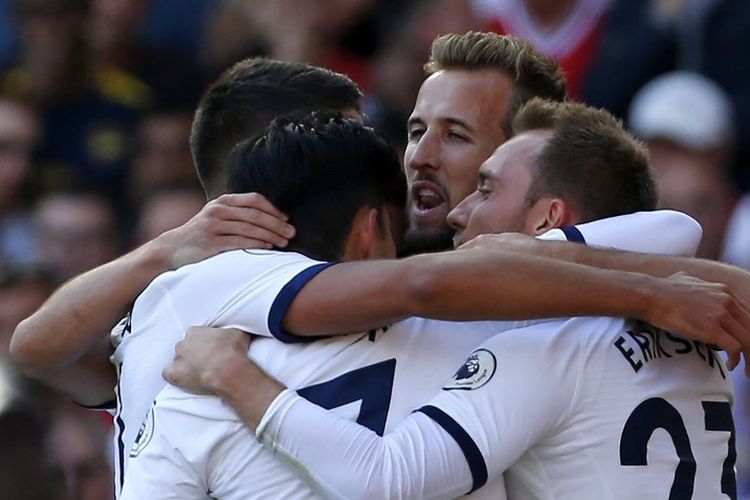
(458, 218)
(423, 154)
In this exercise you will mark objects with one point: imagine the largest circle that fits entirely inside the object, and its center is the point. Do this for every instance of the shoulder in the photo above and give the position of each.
(235, 265)
(563, 343)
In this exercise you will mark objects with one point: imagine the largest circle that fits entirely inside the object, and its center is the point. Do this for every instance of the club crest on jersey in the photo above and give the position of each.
(145, 433)
(478, 369)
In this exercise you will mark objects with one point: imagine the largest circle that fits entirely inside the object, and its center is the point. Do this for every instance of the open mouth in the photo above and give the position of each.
(426, 196)
(426, 199)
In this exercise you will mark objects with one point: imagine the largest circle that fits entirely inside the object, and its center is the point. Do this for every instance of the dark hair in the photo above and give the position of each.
(320, 170)
(590, 160)
(248, 96)
(533, 73)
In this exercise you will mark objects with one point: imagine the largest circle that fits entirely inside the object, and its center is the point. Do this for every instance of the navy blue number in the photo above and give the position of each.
(652, 414)
(372, 384)
(657, 413)
(718, 417)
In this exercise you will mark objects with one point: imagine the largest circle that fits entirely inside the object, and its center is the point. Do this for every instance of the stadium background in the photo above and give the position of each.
(96, 100)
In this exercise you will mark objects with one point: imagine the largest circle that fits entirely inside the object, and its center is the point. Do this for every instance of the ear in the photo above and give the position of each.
(548, 213)
(363, 238)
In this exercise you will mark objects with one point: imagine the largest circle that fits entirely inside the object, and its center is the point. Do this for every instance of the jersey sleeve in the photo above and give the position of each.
(498, 404)
(346, 460)
(251, 291)
(664, 232)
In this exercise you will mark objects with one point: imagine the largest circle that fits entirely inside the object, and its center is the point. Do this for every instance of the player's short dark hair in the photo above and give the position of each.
(320, 170)
(533, 73)
(590, 160)
(248, 96)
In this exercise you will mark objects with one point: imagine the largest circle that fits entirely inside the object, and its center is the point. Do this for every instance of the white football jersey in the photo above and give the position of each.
(233, 289)
(589, 408)
(251, 290)
(196, 445)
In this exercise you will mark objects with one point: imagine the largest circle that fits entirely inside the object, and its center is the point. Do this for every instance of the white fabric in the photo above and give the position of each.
(234, 289)
(664, 232)
(214, 455)
(551, 416)
(423, 353)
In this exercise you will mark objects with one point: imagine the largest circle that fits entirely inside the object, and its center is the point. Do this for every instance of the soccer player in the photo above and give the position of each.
(568, 408)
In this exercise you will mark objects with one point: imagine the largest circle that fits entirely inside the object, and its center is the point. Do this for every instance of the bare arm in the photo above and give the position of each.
(62, 342)
(487, 283)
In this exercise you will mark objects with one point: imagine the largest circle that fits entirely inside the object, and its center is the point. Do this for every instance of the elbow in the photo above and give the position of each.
(23, 353)
(691, 235)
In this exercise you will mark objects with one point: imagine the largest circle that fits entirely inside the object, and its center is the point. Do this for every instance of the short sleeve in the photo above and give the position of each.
(664, 232)
(248, 290)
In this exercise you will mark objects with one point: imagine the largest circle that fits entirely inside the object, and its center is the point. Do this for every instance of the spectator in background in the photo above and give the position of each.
(167, 209)
(293, 30)
(19, 136)
(77, 446)
(687, 123)
(88, 113)
(51, 449)
(75, 232)
(567, 30)
(162, 156)
(26, 471)
(22, 291)
(642, 39)
(117, 41)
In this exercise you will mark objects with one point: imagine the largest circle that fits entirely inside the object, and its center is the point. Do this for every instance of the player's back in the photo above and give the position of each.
(649, 417)
(375, 378)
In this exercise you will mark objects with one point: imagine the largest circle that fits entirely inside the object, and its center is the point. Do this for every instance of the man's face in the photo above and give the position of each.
(19, 134)
(456, 124)
(499, 204)
(695, 183)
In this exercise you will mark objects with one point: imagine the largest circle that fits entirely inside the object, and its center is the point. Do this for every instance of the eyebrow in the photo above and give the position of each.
(415, 120)
(483, 177)
(486, 175)
(456, 121)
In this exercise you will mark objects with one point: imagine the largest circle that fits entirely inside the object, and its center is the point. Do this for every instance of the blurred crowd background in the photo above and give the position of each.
(96, 101)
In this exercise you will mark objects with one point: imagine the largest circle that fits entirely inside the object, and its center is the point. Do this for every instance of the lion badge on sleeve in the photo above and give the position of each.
(478, 369)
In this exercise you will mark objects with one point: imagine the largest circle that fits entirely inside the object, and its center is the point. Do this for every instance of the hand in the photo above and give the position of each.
(703, 311)
(206, 357)
(230, 222)
(214, 361)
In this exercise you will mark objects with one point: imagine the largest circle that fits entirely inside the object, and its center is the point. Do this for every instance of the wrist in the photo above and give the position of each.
(155, 256)
(244, 387)
(645, 296)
